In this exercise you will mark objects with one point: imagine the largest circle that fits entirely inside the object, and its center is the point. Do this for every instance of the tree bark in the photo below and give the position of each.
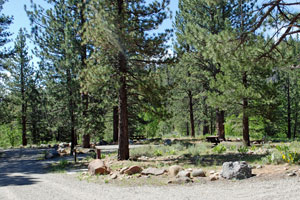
(289, 133)
(192, 121)
(85, 96)
(123, 153)
(71, 111)
(246, 137)
(296, 121)
(187, 129)
(205, 127)
(220, 119)
(115, 123)
(23, 117)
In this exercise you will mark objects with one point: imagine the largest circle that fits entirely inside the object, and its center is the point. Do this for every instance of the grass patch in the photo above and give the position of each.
(61, 166)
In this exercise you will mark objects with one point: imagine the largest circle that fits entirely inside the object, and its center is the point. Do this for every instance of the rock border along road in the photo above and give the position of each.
(23, 177)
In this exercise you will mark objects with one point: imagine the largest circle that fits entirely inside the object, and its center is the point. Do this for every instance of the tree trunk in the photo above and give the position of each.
(220, 119)
(23, 114)
(296, 121)
(187, 129)
(85, 96)
(246, 137)
(71, 111)
(205, 122)
(115, 123)
(192, 121)
(123, 153)
(205, 127)
(289, 133)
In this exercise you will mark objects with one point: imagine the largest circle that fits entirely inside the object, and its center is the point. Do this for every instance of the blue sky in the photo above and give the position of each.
(16, 9)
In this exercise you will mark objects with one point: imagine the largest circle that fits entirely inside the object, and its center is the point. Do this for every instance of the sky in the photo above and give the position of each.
(15, 8)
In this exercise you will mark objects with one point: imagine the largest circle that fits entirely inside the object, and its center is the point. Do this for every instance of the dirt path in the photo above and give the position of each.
(23, 177)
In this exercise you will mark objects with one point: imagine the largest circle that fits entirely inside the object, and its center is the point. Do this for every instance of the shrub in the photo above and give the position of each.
(243, 149)
(219, 149)
(10, 135)
(274, 158)
(287, 155)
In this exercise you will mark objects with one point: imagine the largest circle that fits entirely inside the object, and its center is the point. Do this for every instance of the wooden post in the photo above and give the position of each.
(98, 153)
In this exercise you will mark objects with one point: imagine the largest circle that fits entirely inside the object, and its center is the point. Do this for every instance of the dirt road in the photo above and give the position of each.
(23, 177)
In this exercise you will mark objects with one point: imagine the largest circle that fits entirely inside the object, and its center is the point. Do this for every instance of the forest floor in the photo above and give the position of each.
(24, 176)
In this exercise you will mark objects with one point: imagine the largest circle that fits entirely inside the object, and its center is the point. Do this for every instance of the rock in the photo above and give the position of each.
(213, 178)
(184, 174)
(98, 167)
(43, 146)
(133, 170)
(198, 173)
(236, 170)
(174, 170)
(259, 167)
(49, 155)
(142, 158)
(168, 142)
(123, 170)
(190, 169)
(180, 180)
(63, 151)
(212, 172)
(153, 171)
(114, 176)
(292, 174)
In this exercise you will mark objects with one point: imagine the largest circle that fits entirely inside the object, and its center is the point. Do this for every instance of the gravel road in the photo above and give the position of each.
(23, 177)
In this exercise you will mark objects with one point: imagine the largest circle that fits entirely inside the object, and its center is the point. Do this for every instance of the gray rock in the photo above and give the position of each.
(49, 155)
(236, 170)
(168, 142)
(292, 174)
(123, 170)
(198, 173)
(180, 180)
(153, 171)
(184, 174)
(114, 176)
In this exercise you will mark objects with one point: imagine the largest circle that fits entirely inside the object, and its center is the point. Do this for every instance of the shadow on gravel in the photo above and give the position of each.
(16, 180)
(17, 166)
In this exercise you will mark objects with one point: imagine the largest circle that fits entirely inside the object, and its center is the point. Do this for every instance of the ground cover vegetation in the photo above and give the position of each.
(105, 73)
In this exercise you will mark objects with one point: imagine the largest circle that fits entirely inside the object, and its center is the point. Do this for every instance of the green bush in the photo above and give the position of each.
(274, 158)
(10, 135)
(287, 155)
(243, 149)
(219, 149)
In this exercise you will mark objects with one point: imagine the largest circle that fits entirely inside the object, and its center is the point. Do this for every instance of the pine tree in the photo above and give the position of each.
(5, 21)
(205, 17)
(21, 71)
(118, 30)
(57, 32)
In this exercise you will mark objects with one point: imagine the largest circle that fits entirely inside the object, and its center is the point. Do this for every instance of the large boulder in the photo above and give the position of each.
(236, 170)
(133, 170)
(153, 171)
(98, 167)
